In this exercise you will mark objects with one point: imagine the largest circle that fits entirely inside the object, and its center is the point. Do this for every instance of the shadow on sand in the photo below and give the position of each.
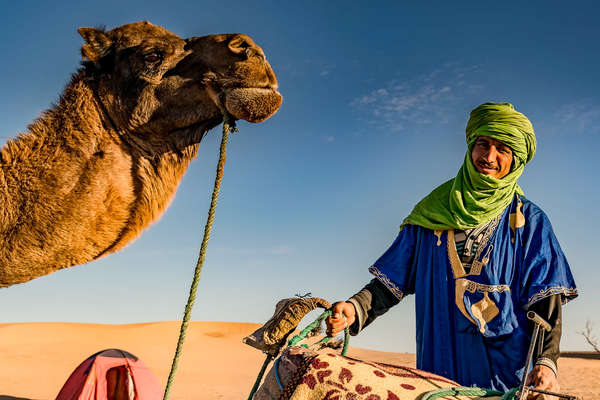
(5, 397)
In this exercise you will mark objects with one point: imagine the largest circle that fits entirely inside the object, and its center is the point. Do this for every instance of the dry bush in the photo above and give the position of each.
(589, 337)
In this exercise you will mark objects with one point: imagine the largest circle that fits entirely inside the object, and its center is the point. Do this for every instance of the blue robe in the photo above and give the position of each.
(472, 328)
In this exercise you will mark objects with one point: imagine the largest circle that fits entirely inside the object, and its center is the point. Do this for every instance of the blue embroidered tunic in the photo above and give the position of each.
(472, 327)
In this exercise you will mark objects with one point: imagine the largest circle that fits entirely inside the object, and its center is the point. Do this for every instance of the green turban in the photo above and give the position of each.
(471, 198)
(502, 122)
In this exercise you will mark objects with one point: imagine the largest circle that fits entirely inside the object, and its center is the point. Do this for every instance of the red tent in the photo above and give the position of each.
(111, 375)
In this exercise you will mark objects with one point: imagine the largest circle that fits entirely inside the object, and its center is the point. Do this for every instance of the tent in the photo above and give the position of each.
(111, 375)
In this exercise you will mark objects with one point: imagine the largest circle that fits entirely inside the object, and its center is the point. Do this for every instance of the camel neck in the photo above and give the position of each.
(74, 127)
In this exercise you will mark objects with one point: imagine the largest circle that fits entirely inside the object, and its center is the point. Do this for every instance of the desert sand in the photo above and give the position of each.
(37, 358)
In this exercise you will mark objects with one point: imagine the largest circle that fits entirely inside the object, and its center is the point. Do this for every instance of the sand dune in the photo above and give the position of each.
(37, 358)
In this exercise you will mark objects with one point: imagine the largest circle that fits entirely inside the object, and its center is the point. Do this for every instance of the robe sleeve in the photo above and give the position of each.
(395, 269)
(545, 270)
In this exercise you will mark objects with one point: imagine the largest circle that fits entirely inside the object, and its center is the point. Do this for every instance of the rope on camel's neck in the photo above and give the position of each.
(228, 126)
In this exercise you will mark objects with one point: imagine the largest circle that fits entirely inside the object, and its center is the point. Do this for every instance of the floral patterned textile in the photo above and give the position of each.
(307, 375)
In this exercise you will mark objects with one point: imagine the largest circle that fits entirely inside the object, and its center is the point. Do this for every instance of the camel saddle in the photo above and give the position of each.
(308, 375)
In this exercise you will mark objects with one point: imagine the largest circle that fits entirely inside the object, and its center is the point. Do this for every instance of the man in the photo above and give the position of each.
(477, 255)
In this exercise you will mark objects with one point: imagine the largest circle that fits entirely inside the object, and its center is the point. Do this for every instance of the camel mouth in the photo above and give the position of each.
(252, 104)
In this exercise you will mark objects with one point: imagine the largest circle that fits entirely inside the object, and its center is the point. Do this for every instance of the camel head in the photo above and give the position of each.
(157, 87)
(105, 162)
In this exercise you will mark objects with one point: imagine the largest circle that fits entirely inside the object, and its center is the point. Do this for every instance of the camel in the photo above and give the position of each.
(102, 164)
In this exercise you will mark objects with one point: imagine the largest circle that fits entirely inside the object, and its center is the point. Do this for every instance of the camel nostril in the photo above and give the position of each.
(240, 44)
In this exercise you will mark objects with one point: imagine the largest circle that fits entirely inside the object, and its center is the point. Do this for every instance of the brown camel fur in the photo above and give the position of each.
(105, 162)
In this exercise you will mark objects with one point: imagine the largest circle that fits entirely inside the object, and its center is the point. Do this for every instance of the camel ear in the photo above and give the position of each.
(97, 43)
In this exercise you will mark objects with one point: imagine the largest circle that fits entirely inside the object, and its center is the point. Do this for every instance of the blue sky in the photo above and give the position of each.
(375, 103)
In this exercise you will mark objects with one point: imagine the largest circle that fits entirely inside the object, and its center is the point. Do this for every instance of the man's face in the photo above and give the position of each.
(491, 157)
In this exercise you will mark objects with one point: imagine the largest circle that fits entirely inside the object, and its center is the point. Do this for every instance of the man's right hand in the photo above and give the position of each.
(336, 322)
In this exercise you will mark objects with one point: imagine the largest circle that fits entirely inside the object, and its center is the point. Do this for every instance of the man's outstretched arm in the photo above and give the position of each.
(373, 300)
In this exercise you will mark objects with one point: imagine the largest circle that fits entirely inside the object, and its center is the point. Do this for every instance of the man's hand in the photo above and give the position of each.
(336, 322)
(542, 377)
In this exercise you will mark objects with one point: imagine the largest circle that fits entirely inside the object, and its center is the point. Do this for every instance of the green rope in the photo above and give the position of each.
(228, 126)
(510, 395)
(302, 335)
(457, 391)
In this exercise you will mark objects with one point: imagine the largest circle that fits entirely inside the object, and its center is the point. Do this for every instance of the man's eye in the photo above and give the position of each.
(152, 57)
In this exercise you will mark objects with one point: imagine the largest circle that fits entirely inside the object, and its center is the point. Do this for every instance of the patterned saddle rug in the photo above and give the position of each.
(303, 374)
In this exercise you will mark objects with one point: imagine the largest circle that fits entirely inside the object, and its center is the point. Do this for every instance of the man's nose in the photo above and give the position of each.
(491, 154)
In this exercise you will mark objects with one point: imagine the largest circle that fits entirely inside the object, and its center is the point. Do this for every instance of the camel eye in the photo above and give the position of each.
(153, 57)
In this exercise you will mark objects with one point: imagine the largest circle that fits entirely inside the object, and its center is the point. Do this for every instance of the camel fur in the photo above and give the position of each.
(102, 164)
